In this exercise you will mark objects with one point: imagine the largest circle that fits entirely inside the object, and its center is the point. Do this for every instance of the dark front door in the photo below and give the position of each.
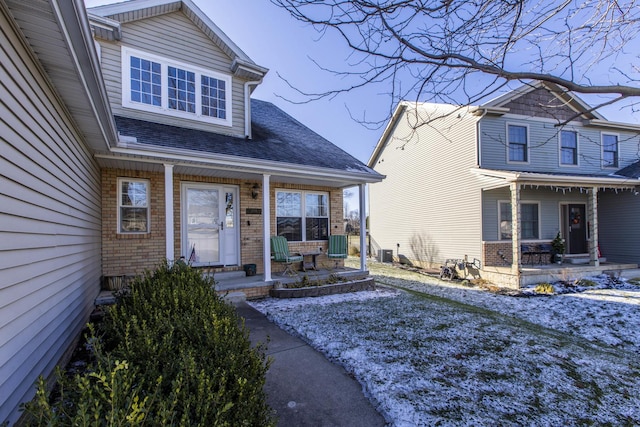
(577, 227)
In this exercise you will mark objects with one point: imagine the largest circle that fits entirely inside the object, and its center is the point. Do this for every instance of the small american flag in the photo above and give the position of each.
(192, 256)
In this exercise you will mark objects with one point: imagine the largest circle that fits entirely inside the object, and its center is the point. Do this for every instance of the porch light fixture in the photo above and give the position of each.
(254, 191)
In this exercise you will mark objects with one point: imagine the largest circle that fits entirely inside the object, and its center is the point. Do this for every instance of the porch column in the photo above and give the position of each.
(514, 187)
(592, 220)
(363, 228)
(266, 227)
(168, 212)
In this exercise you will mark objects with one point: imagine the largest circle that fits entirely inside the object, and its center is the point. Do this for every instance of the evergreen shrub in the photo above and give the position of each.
(170, 352)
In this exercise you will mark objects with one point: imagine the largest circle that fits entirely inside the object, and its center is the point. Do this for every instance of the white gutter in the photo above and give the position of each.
(615, 125)
(163, 155)
(247, 107)
(532, 177)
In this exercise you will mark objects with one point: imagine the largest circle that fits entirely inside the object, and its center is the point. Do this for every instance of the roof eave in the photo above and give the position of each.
(533, 178)
(259, 166)
(386, 134)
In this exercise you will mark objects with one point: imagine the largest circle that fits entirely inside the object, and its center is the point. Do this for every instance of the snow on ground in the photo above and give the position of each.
(429, 352)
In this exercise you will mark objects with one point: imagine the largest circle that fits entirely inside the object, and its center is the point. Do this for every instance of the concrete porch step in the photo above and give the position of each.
(228, 275)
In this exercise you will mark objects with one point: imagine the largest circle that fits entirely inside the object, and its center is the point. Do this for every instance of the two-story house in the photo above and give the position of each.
(485, 184)
(128, 136)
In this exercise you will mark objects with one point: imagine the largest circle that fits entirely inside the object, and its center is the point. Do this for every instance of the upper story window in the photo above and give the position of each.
(609, 150)
(133, 205)
(568, 147)
(518, 143)
(157, 84)
(529, 221)
(302, 216)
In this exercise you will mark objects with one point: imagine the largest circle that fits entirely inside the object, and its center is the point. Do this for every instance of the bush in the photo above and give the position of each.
(172, 352)
(544, 288)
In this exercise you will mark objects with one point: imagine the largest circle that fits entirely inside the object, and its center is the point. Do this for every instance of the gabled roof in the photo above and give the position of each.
(281, 146)
(106, 20)
(567, 98)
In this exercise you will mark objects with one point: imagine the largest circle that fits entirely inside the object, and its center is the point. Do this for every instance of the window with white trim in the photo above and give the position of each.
(529, 221)
(153, 83)
(302, 215)
(133, 205)
(568, 147)
(609, 150)
(518, 143)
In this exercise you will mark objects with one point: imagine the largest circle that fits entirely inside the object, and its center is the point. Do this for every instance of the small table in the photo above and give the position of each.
(312, 265)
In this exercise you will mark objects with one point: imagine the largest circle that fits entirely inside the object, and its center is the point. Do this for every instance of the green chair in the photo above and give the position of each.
(280, 253)
(337, 247)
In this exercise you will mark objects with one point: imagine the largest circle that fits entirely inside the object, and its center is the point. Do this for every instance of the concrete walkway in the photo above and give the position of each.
(303, 387)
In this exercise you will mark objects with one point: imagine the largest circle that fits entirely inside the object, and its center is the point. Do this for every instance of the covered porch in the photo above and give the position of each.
(567, 206)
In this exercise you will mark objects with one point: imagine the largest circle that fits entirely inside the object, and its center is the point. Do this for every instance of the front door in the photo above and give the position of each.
(209, 232)
(576, 228)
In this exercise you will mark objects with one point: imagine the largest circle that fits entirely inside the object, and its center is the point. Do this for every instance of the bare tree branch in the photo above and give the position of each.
(461, 51)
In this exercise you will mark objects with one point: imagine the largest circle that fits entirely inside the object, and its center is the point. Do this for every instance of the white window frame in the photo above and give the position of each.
(165, 63)
(522, 202)
(147, 206)
(303, 194)
(604, 165)
(528, 146)
(560, 147)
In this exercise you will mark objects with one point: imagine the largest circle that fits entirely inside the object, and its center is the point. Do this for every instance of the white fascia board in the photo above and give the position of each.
(550, 179)
(75, 29)
(614, 125)
(178, 157)
(386, 134)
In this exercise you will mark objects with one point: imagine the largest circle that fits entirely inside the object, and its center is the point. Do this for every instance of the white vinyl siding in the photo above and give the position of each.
(429, 203)
(50, 212)
(187, 45)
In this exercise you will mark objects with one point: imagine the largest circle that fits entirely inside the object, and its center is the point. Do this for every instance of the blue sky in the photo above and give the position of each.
(273, 39)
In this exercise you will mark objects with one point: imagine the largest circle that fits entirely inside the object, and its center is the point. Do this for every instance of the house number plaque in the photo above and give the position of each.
(254, 211)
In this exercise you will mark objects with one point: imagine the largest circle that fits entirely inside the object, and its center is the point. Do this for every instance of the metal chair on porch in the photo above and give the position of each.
(337, 247)
(280, 253)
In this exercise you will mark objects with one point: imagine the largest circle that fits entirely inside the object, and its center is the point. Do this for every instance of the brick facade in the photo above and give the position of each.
(124, 254)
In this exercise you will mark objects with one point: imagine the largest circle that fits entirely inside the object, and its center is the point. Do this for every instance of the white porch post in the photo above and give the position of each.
(363, 228)
(266, 227)
(592, 218)
(168, 212)
(515, 227)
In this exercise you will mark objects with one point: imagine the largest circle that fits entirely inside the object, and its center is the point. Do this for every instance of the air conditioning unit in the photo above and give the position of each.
(385, 255)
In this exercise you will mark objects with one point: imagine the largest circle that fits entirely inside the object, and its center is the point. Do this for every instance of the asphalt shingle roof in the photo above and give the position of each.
(276, 136)
(631, 171)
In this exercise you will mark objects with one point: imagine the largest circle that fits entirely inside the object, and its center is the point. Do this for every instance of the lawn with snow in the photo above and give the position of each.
(429, 352)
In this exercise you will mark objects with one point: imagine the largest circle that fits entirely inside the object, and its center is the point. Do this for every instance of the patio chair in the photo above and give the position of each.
(337, 247)
(280, 253)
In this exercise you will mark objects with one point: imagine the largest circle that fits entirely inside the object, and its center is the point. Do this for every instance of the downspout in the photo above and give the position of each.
(247, 107)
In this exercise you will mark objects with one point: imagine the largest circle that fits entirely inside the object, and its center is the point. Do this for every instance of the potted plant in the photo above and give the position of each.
(557, 248)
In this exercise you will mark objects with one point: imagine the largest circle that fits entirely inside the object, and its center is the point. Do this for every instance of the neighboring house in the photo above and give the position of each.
(479, 182)
(128, 137)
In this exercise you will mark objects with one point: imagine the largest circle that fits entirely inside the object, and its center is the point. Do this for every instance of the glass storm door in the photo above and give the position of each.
(203, 225)
(209, 232)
